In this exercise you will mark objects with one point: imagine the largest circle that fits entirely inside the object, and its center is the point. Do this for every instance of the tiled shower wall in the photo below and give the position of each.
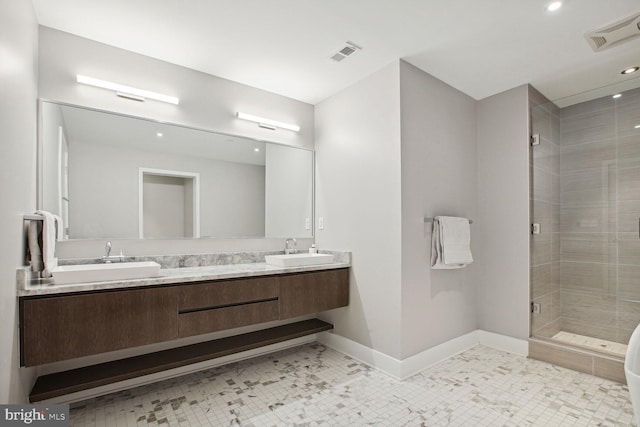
(544, 168)
(600, 210)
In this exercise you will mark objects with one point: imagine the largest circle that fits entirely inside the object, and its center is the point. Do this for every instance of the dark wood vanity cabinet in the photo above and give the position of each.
(312, 292)
(55, 328)
(226, 304)
(65, 327)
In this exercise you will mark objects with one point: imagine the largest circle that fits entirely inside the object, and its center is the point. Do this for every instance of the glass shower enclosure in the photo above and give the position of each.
(585, 214)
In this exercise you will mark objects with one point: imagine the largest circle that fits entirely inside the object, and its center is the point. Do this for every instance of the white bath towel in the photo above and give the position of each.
(51, 232)
(450, 243)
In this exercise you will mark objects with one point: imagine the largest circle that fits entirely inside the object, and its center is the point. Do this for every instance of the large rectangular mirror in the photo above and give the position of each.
(111, 176)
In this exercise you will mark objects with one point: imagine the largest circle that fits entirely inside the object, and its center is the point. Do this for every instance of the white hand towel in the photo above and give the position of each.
(51, 230)
(450, 243)
(35, 253)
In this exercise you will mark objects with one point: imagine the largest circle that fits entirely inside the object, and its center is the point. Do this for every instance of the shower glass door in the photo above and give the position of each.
(585, 196)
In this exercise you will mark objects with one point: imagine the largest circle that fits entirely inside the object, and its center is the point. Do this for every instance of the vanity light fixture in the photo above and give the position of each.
(629, 70)
(553, 6)
(267, 123)
(617, 95)
(127, 91)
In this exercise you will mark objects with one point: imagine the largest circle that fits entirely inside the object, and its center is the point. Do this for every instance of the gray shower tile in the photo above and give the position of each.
(589, 277)
(555, 129)
(588, 127)
(628, 314)
(589, 219)
(540, 246)
(589, 188)
(542, 185)
(628, 187)
(629, 150)
(628, 116)
(593, 106)
(589, 308)
(540, 277)
(541, 122)
(628, 216)
(549, 311)
(629, 282)
(629, 248)
(546, 156)
(588, 247)
(597, 156)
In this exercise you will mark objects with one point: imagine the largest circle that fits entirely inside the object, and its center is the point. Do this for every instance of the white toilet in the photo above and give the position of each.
(632, 371)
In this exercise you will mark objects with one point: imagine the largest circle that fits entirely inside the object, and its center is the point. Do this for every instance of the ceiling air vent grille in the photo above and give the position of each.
(347, 50)
(611, 35)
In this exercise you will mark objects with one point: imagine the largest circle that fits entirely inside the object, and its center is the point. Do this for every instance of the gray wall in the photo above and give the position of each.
(18, 85)
(359, 196)
(503, 213)
(438, 178)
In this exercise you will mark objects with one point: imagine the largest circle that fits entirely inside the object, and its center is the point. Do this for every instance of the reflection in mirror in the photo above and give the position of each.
(111, 176)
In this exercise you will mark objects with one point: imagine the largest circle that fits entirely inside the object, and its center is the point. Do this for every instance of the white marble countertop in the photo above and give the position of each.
(173, 275)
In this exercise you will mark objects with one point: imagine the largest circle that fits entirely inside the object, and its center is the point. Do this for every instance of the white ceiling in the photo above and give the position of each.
(480, 47)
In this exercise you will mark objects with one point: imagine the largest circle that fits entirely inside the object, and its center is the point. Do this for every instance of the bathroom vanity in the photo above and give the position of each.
(65, 322)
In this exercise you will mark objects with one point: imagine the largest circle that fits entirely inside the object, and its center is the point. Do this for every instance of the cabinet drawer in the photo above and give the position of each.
(217, 319)
(228, 292)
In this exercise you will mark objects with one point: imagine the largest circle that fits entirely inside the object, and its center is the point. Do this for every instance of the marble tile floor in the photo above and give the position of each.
(313, 385)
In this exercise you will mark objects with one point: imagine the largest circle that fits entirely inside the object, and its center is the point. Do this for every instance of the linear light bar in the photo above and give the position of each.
(267, 123)
(127, 91)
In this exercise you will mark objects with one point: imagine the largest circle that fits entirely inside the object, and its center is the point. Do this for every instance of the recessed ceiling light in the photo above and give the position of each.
(617, 95)
(256, 150)
(159, 134)
(630, 70)
(637, 127)
(553, 6)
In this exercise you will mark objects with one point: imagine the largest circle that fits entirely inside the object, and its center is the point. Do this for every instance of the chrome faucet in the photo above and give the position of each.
(290, 246)
(107, 258)
(107, 251)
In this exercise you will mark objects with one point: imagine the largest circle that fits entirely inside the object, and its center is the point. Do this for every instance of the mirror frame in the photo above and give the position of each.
(39, 168)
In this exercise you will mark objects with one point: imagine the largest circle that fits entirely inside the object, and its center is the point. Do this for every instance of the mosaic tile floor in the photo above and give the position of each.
(313, 385)
(590, 343)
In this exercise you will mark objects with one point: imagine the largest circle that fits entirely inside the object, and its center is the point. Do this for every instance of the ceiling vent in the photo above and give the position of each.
(348, 50)
(619, 32)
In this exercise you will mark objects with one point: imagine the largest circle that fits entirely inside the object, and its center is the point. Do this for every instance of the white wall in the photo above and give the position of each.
(503, 213)
(206, 102)
(18, 86)
(358, 195)
(438, 178)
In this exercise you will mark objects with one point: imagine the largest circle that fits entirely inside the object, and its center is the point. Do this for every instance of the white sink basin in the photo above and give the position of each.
(297, 260)
(68, 274)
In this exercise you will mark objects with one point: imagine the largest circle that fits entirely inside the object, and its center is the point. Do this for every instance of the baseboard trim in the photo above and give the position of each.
(402, 369)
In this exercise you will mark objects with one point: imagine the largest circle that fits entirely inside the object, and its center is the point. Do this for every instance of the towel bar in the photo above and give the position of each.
(429, 219)
(33, 217)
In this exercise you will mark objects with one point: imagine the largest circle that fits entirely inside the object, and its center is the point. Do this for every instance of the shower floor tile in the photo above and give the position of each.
(313, 385)
(602, 346)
